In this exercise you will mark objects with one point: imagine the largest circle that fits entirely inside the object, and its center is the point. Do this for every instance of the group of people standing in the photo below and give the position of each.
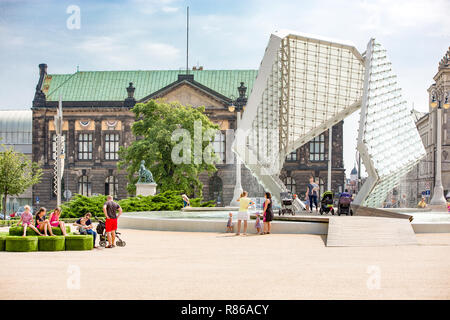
(243, 215)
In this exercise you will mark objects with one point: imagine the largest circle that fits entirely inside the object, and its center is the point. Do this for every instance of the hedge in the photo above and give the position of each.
(2, 242)
(55, 243)
(165, 201)
(79, 242)
(21, 244)
(18, 231)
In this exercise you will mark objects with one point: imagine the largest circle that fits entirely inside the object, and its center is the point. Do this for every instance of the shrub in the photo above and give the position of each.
(165, 201)
(56, 243)
(79, 205)
(79, 242)
(21, 244)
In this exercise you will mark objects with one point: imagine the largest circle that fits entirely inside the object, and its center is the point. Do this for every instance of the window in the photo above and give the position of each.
(292, 156)
(317, 148)
(111, 146)
(219, 146)
(216, 189)
(84, 186)
(321, 187)
(111, 186)
(54, 145)
(85, 146)
(291, 184)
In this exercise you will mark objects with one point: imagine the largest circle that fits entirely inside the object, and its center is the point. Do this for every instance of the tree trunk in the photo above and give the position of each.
(4, 205)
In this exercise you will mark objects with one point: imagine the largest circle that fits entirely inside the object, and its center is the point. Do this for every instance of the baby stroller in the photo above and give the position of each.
(326, 203)
(101, 231)
(344, 204)
(286, 203)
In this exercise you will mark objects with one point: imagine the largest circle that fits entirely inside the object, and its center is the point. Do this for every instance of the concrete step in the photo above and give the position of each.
(351, 231)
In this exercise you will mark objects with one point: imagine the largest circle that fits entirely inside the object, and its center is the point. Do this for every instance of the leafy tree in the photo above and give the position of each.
(17, 174)
(155, 123)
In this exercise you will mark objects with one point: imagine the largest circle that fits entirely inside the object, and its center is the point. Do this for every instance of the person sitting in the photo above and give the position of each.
(42, 223)
(422, 204)
(55, 222)
(26, 220)
(186, 202)
(85, 226)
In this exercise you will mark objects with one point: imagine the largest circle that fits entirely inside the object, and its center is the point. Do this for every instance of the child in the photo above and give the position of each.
(27, 221)
(258, 223)
(230, 223)
(82, 225)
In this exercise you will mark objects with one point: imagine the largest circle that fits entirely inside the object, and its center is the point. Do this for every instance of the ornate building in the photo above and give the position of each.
(98, 120)
(420, 181)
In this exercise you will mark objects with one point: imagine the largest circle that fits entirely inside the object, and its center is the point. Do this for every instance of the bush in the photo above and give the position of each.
(79, 205)
(79, 242)
(165, 201)
(56, 243)
(21, 244)
(18, 231)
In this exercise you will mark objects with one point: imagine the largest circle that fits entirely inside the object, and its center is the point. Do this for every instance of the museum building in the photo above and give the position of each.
(97, 120)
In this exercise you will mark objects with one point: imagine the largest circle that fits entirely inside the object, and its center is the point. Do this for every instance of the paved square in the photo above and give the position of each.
(182, 265)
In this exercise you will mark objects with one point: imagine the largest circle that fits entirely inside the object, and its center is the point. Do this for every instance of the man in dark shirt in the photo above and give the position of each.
(86, 225)
(110, 209)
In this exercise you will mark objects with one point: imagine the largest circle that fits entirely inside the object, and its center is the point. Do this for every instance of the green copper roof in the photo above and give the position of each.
(111, 85)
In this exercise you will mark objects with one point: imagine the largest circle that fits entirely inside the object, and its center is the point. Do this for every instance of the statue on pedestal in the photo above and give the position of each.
(146, 185)
(145, 176)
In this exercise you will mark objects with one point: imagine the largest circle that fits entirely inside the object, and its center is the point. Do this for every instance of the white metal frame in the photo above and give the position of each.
(305, 85)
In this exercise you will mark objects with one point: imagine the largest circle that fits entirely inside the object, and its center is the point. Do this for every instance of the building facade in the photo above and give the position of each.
(16, 133)
(97, 121)
(421, 180)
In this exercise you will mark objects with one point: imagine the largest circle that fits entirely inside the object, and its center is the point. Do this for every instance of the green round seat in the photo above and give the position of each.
(55, 243)
(21, 244)
(2, 242)
(18, 231)
(79, 242)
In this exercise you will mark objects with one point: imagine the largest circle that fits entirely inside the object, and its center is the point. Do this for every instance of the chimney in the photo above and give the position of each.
(39, 96)
(194, 68)
(130, 101)
(200, 68)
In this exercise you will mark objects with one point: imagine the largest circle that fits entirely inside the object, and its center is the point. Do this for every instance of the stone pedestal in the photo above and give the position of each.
(146, 189)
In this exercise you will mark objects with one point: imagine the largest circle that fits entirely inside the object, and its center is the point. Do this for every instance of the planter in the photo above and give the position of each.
(2, 242)
(56, 243)
(18, 231)
(21, 244)
(79, 242)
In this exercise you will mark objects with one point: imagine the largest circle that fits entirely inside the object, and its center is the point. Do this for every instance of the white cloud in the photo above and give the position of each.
(169, 9)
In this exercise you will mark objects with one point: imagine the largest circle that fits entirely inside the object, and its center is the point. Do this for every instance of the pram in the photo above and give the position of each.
(101, 231)
(344, 203)
(326, 203)
(286, 203)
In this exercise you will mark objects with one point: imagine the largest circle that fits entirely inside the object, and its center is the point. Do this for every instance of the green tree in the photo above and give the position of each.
(17, 174)
(155, 123)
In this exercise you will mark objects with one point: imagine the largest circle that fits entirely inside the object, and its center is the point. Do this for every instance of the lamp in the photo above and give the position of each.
(433, 102)
(231, 108)
(446, 103)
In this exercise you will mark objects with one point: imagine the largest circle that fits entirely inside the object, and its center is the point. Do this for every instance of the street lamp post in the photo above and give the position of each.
(437, 97)
(238, 106)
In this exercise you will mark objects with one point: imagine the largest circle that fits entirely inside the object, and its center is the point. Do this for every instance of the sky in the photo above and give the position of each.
(224, 34)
